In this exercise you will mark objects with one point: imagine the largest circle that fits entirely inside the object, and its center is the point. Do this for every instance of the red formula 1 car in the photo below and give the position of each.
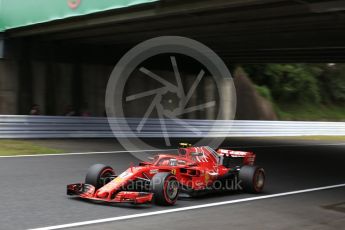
(193, 171)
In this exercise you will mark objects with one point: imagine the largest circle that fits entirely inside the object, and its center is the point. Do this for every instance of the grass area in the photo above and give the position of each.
(308, 138)
(15, 147)
(309, 112)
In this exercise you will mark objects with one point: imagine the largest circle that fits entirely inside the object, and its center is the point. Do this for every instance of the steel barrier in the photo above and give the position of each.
(99, 127)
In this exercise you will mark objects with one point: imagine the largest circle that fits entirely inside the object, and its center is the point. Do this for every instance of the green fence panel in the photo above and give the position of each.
(18, 13)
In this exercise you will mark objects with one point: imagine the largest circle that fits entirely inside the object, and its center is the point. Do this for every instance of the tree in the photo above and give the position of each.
(287, 82)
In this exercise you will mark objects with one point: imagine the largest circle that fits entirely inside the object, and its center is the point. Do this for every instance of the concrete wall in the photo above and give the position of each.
(63, 77)
(48, 76)
(81, 87)
(8, 87)
(53, 86)
(94, 82)
(205, 92)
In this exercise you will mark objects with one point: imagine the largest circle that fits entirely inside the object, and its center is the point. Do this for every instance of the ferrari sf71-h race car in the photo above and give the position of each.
(193, 171)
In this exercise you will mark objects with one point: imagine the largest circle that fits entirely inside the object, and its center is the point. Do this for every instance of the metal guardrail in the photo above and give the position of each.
(98, 127)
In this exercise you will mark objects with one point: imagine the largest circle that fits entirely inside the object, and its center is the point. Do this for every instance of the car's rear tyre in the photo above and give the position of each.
(97, 174)
(252, 178)
(165, 188)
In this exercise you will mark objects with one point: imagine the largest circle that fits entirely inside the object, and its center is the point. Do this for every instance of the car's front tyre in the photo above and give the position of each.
(165, 188)
(97, 174)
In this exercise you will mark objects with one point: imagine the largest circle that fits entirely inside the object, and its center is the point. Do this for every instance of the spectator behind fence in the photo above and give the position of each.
(85, 110)
(69, 111)
(35, 110)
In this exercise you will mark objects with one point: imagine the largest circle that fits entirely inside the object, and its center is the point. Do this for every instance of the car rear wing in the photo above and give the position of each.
(248, 157)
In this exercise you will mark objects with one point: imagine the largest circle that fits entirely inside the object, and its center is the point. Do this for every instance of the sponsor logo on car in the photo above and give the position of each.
(73, 4)
(153, 171)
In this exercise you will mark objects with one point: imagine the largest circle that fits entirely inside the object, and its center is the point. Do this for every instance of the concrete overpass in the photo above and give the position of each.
(54, 62)
(240, 31)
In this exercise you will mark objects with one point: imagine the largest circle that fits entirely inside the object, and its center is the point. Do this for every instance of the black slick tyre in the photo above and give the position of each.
(97, 173)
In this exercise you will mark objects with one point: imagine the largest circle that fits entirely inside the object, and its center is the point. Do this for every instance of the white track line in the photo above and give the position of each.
(99, 221)
(87, 153)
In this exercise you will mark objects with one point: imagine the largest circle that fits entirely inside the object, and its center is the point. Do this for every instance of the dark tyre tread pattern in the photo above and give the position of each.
(94, 174)
(248, 175)
(159, 189)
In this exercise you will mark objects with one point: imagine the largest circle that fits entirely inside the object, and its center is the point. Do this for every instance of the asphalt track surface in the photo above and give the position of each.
(33, 192)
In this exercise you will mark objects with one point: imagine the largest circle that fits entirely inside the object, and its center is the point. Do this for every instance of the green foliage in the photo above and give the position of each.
(312, 83)
(310, 112)
(302, 91)
(332, 83)
(290, 82)
(264, 92)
